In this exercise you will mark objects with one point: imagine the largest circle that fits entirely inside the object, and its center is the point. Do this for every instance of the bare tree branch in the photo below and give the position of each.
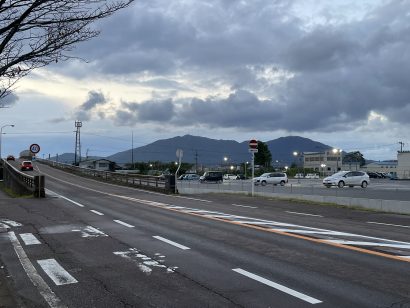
(36, 33)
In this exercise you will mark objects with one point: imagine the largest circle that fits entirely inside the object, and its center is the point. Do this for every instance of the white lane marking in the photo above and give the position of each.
(381, 223)
(29, 239)
(278, 286)
(305, 214)
(171, 242)
(65, 198)
(4, 226)
(356, 243)
(96, 212)
(56, 272)
(90, 231)
(248, 206)
(49, 296)
(123, 223)
(405, 257)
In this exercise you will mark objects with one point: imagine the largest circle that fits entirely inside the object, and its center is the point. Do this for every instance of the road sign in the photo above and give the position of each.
(34, 148)
(253, 144)
(253, 150)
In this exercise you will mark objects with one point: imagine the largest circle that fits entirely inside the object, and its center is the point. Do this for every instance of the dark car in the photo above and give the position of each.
(26, 165)
(10, 157)
(373, 175)
(212, 176)
(240, 177)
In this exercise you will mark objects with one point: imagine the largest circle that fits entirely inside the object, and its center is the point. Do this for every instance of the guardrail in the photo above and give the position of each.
(21, 183)
(155, 183)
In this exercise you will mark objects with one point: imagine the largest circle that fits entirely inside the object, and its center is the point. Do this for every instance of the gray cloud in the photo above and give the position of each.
(339, 70)
(84, 111)
(9, 100)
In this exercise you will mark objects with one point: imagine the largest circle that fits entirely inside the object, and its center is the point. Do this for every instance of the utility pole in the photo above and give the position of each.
(196, 161)
(77, 149)
(132, 149)
(401, 146)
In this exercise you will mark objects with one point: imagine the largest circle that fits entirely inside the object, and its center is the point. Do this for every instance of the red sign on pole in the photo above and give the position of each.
(253, 144)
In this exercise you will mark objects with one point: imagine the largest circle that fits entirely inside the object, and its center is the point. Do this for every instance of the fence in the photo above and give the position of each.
(156, 183)
(21, 183)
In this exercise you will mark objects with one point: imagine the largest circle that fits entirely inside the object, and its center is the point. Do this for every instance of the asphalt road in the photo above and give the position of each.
(90, 244)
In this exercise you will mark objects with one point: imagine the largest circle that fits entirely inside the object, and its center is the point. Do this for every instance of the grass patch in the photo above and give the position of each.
(12, 194)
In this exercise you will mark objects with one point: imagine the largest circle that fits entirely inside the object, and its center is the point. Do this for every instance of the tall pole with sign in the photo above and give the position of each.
(253, 148)
(179, 154)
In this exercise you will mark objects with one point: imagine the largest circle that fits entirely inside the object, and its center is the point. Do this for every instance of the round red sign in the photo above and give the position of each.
(253, 144)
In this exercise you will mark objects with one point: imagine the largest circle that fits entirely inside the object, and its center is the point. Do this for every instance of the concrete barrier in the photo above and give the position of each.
(391, 206)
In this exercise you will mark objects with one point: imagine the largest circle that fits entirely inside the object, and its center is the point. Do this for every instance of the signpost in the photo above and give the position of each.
(34, 148)
(179, 154)
(253, 148)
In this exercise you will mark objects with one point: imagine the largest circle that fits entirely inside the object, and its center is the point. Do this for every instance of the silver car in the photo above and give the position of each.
(347, 178)
(271, 178)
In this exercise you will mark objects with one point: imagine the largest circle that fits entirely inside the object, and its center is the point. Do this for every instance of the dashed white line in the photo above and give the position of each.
(385, 224)
(305, 214)
(49, 296)
(123, 223)
(248, 206)
(96, 212)
(56, 272)
(171, 242)
(278, 286)
(29, 239)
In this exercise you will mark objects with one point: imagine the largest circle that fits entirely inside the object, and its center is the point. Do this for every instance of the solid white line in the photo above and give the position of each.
(65, 198)
(49, 296)
(123, 223)
(96, 212)
(355, 243)
(251, 207)
(297, 213)
(381, 223)
(278, 286)
(171, 243)
(56, 272)
(29, 239)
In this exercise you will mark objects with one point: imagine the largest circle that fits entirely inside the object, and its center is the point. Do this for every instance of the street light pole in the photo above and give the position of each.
(1, 134)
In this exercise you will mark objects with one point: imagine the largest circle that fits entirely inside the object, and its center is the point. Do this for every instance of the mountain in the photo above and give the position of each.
(68, 158)
(211, 152)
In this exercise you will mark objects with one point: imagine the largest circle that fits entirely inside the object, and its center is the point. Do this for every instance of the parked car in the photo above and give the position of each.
(191, 177)
(211, 176)
(299, 176)
(26, 165)
(271, 178)
(229, 176)
(312, 176)
(347, 178)
(373, 175)
(10, 157)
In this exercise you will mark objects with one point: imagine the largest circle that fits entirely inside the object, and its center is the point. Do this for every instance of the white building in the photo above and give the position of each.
(403, 164)
(381, 166)
(326, 163)
(98, 164)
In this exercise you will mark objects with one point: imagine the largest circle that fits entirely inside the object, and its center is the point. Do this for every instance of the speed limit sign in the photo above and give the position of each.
(34, 148)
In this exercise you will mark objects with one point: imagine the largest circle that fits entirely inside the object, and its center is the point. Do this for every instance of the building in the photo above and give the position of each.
(403, 164)
(326, 163)
(98, 164)
(389, 166)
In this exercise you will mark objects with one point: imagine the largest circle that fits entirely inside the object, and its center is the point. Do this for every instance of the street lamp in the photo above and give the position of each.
(337, 152)
(323, 169)
(296, 154)
(1, 134)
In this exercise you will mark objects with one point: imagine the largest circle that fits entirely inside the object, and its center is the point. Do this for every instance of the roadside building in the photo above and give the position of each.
(403, 164)
(325, 163)
(389, 166)
(98, 164)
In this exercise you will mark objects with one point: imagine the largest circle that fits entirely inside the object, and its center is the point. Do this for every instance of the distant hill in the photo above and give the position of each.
(68, 158)
(212, 152)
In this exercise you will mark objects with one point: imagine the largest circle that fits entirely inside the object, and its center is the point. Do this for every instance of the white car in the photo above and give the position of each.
(312, 176)
(271, 178)
(299, 176)
(347, 178)
(230, 176)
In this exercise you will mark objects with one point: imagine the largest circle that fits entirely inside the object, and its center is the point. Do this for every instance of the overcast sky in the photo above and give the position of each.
(333, 71)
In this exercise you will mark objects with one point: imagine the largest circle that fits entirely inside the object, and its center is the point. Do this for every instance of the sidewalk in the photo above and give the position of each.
(7, 299)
